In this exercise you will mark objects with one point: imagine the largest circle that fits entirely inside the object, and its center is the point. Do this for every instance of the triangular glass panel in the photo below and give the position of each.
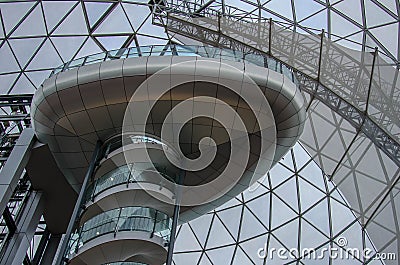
(231, 219)
(12, 13)
(301, 156)
(38, 77)
(319, 216)
(95, 10)
(90, 47)
(369, 196)
(1, 31)
(376, 15)
(68, 46)
(307, 9)
(112, 42)
(6, 82)
(25, 48)
(33, 25)
(148, 29)
(186, 258)
(288, 161)
(251, 247)
(339, 222)
(385, 217)
(137, 14)
(55, 11)
(185, 240)
(390, 4)
(278, 174)
(382, 33)
(74, 23)
(317, 21)
(200, 227)
(261, 208)
(281, 213)
(145, 40)
(46, 51)
(314, 174)
(288, 192)
(219, 236)
(23, 86)
(309, 195)
(115, 20)
(288, 234)
(251, 227)
(352, 9)
(240, 258)
(221, 255)
(311, 237)
(11, 65)
(341, 26)
(204, 261)
(281, 7)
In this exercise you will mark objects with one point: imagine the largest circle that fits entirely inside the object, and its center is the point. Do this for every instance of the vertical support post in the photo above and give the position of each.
(78, 203)
(93, 191)
(371, 78)
(320, 54)
(154, 225)
(51, 249)
(175, 220)
(219, 30)
(41, 247)
(270, 37)
(10, 222)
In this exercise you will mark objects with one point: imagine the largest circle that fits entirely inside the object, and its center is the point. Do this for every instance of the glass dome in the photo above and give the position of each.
(335, 189)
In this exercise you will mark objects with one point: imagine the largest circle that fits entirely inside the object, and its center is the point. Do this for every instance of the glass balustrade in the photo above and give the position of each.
(179, 50)
(125, 263)
(131, 173)
(133, 218)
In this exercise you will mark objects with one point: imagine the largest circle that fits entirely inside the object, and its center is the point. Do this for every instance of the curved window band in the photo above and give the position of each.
(117, 220)
(126, 174)
(179, 50)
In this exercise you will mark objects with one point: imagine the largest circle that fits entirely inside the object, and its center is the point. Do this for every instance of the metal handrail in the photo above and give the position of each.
(123, 175)
(143, 219)
(179, 50)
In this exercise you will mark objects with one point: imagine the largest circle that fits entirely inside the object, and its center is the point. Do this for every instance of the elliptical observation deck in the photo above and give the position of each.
(247, 101)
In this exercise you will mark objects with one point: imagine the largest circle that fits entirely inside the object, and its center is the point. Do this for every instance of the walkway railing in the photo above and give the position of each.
(178, 50)
(126, 174)
(357, 85)
(123, 219)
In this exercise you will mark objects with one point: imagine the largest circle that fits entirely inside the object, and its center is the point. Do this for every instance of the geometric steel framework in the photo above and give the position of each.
(232, 234)
(184, 24)
(213, 27)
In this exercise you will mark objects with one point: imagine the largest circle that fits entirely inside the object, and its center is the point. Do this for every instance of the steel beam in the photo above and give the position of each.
(359, 119)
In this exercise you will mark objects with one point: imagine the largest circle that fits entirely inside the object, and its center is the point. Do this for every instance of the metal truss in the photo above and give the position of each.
(215, 37)
(14, 118)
